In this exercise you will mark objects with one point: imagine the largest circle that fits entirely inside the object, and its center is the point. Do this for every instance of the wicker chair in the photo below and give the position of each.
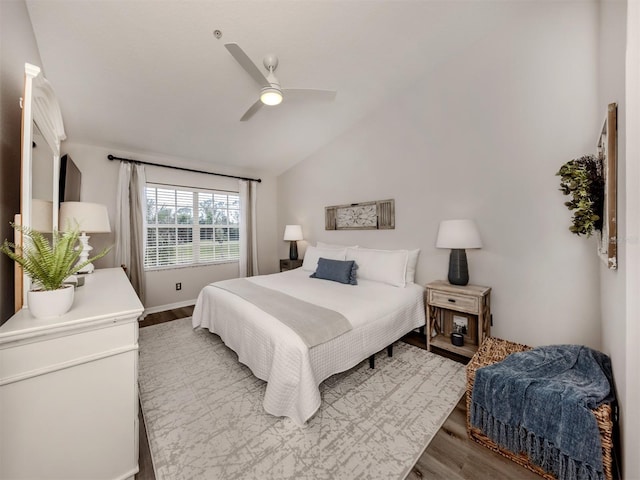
(495, 350)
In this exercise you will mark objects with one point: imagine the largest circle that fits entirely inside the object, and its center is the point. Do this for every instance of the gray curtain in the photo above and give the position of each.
(248, 238)
(130, 224)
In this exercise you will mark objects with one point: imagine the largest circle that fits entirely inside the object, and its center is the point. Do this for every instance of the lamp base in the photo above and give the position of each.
(293, 250)
(458, 267)
(84, 254)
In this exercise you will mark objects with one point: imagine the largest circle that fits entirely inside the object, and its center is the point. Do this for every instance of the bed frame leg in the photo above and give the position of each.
(372, 358)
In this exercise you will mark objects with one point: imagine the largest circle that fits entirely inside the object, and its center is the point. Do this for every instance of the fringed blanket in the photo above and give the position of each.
(539, 403)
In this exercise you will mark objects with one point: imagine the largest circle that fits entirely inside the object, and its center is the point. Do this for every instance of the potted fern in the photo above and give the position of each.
(48, 265)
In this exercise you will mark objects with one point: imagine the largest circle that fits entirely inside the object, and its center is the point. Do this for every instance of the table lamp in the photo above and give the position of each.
(293, 233)
(86, 217)
(458, 235)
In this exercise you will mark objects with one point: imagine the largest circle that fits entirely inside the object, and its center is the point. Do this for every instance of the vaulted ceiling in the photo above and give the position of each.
(151, 77)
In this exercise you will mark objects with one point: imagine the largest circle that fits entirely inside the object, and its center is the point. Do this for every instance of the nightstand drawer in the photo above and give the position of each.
(286, 264)
(453, 300)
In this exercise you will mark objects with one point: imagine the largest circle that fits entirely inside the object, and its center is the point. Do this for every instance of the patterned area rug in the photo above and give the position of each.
(204, 416)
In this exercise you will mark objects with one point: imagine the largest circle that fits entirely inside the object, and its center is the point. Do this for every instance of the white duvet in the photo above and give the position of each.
(379, 314)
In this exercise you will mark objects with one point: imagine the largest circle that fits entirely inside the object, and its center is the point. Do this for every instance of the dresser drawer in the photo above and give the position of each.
(458, 301)
(29, 358)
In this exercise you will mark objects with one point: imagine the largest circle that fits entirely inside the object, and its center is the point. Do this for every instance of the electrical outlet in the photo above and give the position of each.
(178, 286)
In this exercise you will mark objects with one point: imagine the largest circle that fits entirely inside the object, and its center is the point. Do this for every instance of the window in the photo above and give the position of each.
(191, 227)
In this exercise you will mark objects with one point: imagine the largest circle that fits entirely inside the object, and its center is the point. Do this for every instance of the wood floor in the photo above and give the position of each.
(449, 456)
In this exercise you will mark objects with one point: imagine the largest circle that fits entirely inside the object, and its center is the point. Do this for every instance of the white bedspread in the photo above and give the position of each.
(380, 314)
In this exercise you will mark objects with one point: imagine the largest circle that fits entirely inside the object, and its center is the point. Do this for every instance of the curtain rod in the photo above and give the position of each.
(111, 157)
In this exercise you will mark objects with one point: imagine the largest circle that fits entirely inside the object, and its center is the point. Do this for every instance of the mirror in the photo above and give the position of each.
(41, 171)
(42, 124)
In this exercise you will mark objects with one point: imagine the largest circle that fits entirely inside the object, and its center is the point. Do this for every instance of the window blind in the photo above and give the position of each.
(190, 226)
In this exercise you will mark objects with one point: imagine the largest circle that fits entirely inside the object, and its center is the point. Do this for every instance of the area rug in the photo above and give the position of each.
(204, 416)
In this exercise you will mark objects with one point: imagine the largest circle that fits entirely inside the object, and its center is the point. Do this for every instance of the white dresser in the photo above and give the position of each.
(68, 386)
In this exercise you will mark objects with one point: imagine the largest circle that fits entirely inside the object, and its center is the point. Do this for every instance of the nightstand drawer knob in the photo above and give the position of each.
(452, 300)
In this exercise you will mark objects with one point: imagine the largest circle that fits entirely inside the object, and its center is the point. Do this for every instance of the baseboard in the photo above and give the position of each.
(169, 306)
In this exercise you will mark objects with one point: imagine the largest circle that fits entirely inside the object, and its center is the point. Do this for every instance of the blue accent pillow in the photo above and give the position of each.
(343, 271)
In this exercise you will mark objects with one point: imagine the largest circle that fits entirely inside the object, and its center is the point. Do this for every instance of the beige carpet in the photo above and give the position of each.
(204, 416)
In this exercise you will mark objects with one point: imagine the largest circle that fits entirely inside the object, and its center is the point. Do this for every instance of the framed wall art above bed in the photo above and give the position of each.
(376, 215)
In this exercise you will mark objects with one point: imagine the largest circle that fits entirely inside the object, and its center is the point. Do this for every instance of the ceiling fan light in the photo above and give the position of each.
(271, 96)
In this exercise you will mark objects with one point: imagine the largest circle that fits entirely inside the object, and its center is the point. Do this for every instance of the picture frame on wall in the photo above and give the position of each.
(375, 215)
(607, 150)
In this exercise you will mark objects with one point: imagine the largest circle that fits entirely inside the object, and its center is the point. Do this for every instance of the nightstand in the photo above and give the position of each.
(286, 264)
(453, 308)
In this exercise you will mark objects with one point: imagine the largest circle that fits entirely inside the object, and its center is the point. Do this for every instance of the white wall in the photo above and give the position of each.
(99, 184)
(611, 88)
(481, 137)
(631, 399)
(17, 46)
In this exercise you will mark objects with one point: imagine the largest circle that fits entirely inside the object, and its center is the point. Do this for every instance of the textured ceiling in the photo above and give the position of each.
(150, 76)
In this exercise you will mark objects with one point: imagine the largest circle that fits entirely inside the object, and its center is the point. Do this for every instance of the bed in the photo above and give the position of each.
(379, 313)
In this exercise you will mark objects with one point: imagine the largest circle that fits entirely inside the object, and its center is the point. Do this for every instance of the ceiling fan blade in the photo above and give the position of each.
(246, 63)
(252, 110)
(313, 93)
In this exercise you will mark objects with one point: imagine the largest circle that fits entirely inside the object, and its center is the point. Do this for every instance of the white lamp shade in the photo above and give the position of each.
(458, 234)
(41, 215)
(293, 232)
(84, 216)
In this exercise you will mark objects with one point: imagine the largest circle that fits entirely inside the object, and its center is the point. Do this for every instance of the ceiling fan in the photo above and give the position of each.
(271, 93)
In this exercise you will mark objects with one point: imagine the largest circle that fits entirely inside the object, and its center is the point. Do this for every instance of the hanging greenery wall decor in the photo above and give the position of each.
(582, 179)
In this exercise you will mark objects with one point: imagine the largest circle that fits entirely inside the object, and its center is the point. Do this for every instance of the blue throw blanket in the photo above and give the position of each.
(539, 403)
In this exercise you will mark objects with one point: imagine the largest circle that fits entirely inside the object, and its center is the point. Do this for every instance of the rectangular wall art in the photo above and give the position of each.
(608, 153)
(375, 215)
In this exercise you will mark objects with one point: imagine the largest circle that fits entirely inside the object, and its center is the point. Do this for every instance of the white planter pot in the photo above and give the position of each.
(50, 303)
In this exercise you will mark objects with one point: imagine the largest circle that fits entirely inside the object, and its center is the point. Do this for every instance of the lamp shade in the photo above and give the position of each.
(42, 215)
(458, 234)
(84, 216)
(293, 232)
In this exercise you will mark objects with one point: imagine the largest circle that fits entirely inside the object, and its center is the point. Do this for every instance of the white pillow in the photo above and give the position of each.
(312, 255)
(412, 262)
(386, 266)
(333, 245)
